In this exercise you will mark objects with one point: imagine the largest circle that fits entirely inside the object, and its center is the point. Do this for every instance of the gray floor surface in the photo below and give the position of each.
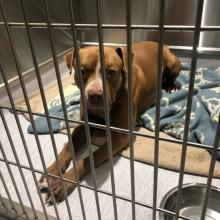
(143, 178)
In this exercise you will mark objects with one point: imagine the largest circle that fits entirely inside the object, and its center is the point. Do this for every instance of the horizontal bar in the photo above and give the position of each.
(200, 50)
(180, 48)
(98, 190)
(120, 130)
(110, 26)
(40, 65)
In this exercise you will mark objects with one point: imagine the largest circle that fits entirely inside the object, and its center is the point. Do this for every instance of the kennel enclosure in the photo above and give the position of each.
(36, 34)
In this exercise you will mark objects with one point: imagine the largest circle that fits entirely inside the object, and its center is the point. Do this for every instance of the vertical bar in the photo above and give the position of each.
(6, 190)
(85, 113)
(106, 107)
(12, 178)
(26, 100)
(196, 38)
(16, 156)
(211, 170)
(158, 99)
(47, 113)
(20, 170)
(22, 136)
(46, 110)
(1, 200)
(57, 71)
(130, 102)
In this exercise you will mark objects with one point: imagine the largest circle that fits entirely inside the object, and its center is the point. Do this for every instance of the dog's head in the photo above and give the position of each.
(90, 65)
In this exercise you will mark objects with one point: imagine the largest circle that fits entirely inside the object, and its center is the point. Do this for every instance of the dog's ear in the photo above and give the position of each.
(69, 60)
(122, 53)
(172, 67)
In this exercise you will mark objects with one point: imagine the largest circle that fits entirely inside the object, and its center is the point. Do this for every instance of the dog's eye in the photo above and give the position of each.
(110, 73)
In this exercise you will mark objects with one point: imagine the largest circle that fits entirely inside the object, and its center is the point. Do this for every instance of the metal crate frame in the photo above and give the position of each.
(197, 29)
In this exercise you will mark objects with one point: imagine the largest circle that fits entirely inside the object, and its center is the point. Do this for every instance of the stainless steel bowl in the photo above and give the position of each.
(192, 202)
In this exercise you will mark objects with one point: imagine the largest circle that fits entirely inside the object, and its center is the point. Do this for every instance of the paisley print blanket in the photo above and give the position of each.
(205, 108)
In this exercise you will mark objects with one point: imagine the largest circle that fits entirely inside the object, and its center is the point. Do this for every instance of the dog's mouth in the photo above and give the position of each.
(95, 101)
(94, 105)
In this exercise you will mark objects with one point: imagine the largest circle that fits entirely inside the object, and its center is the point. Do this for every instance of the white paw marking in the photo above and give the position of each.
(43, 184)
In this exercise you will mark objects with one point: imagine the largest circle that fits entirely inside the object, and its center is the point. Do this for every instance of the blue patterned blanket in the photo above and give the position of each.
(204, 115)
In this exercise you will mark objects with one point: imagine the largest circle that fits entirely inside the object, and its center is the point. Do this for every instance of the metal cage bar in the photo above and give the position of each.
(120, 130)
(88, 137)
(17, 120)
(106, 106)
(17, 159)
(1, 200)
(211, 170)
(32, 119)
(7, 191)
(130, 102)
(112, 26)
(21, 133)
(49, 123)
(158, 100)
(102, 191)
(26, 100)
(189, 100)
(12, 177)
(63, 104)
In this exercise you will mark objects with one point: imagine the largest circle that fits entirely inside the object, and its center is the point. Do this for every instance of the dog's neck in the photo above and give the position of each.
(119, 96)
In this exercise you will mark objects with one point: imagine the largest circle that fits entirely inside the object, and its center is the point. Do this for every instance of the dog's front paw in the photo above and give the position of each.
(44, 182)
(59, 188)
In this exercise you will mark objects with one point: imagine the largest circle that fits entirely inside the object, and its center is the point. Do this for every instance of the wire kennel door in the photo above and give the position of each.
(74, 27)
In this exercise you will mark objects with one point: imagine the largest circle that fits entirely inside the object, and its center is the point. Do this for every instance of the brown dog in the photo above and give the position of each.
(144, 73)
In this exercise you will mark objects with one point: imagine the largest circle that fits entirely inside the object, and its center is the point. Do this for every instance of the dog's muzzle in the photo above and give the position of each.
(94, 94)
(95, 99)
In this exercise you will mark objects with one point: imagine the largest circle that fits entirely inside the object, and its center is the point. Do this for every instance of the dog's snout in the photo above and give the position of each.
(95, 97)
(94, 93)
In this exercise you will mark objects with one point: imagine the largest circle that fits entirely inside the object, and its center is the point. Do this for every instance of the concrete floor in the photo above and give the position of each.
(143, 178)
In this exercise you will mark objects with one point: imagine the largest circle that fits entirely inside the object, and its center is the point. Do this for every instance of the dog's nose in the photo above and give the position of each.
(95, 98)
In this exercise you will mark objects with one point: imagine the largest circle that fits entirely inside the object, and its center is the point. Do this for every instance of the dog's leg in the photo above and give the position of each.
(64, 157)
(119, 142)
